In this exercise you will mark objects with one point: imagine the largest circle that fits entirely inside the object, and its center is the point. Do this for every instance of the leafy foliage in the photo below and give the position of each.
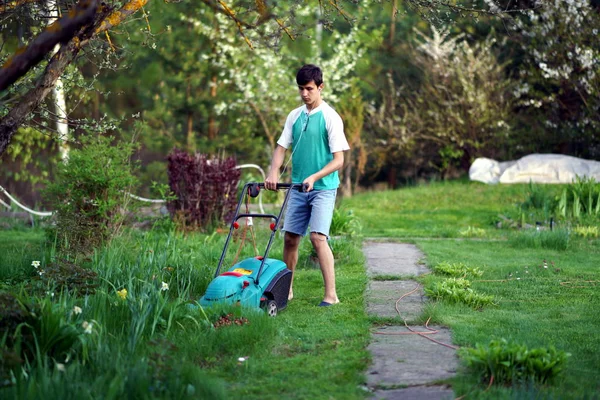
(460, 110)
(91, 193)
(457, 290)
(344, 223)
(36, 332)
(580, 198)
(205, 188)
(457, 270)
(65, 275)
(507, 362)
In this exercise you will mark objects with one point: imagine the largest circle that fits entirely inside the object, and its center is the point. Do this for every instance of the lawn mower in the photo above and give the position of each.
(258, 282)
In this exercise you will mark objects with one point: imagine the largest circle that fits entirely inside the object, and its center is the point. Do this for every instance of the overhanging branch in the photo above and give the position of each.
(60, 31)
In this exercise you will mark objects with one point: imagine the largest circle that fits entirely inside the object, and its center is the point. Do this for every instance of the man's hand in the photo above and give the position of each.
(271, 181)
(310, 181)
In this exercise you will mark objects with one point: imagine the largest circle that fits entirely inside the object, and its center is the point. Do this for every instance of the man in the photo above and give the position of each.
(316, 134)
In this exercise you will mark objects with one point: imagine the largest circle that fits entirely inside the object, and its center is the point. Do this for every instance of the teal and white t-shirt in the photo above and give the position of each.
(314, 138)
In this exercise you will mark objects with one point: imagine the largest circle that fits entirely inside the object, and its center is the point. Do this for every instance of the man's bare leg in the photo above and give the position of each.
(326, 261)
(290, 255)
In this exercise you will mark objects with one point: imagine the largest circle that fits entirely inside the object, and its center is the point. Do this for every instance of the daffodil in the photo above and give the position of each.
(77, 310)
(35, 264)
(164, 286)
(60, 367)
(122, 294)
(87, 327)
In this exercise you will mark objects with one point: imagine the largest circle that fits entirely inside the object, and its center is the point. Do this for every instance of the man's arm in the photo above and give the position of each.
(331, 166)
(276, 163)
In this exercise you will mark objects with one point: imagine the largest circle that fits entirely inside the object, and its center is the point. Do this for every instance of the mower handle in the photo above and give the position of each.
(254, 188)
(300, 186)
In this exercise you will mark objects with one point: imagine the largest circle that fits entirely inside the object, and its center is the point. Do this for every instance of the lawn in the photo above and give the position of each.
(544, 283)
(118, 322)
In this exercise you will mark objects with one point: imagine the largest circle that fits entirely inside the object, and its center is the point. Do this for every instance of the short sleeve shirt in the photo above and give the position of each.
(314, 138)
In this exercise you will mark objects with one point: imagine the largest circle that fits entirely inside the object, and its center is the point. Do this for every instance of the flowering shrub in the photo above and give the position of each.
(561, 80)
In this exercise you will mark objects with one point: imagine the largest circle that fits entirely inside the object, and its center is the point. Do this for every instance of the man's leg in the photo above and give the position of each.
(327, 263)
(290, 255)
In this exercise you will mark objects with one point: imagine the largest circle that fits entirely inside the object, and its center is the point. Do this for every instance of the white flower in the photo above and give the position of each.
(76, 310)
(87, 327)
(35, 264)
(164, 286)
(242, 359)
(60, 367)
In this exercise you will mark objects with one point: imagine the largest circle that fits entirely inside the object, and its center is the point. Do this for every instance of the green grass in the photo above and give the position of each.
(152, 345)
(545, 284)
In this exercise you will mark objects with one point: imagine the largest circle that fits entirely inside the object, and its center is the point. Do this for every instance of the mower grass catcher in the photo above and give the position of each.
(258, 282)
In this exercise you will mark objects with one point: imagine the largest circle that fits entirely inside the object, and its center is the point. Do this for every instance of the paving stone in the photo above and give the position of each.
(410, 359)
(381, 297)
(400, 259)
(407, 359)
(416, 393)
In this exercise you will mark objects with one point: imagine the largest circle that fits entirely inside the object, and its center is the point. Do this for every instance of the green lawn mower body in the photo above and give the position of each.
(258, 282)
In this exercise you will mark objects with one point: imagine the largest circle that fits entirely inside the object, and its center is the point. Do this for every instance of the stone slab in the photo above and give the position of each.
(416, 393)
(409, 359)
(381, 297)
(399, 259)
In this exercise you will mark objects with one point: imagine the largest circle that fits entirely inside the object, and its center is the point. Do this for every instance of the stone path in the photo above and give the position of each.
(405, 366)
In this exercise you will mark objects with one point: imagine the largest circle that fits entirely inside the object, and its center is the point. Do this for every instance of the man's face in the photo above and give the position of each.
(310, 93)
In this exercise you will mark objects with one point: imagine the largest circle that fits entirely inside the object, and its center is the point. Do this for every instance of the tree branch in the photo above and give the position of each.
(102, 19)
(11, 5)
(117, 17)
(60, 31)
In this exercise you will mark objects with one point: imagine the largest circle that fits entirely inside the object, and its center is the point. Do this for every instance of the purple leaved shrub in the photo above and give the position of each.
(205, 187)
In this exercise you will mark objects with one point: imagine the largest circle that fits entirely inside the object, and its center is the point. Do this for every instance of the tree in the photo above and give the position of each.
(461, 110)
(75, 31)
(560, 76)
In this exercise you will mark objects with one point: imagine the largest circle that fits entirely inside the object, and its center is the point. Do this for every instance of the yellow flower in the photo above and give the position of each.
(122, 294)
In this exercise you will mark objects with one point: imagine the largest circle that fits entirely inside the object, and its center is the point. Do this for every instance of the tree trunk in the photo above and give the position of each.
(347, 183)
(60, 103)
(212, 126)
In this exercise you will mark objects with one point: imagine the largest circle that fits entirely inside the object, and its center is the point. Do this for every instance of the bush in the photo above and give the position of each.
(205, 188)
(91, 193)
(511, 363)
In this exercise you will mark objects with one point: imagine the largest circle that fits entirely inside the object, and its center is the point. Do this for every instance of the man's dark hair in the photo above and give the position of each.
(308, 73)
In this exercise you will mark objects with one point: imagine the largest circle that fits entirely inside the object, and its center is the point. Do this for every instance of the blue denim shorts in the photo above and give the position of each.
(313, 209)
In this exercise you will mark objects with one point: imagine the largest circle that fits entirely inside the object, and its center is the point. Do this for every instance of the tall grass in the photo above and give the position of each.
(558, 239)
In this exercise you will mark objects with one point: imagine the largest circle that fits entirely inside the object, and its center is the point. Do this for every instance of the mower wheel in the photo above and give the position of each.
(271, 308)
